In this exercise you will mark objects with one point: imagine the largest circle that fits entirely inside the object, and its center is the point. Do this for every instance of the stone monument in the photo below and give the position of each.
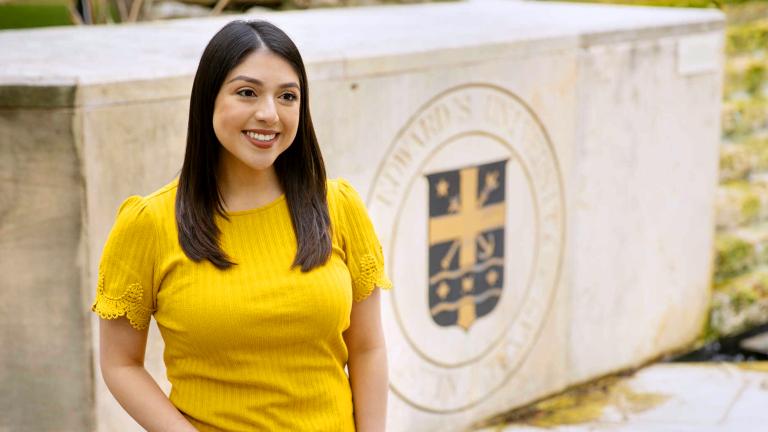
(541, 176)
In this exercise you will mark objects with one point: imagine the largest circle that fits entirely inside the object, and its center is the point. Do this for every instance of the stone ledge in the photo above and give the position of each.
(461, 33)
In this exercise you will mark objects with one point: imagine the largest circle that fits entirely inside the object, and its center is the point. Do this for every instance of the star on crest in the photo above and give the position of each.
(442, 188)
(467, 284)
(443, 290)
(492, 180)
(492, 277)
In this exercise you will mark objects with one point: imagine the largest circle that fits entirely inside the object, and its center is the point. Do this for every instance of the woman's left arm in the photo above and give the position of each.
(368, 364)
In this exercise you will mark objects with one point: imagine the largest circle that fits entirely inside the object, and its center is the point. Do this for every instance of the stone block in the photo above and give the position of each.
(46, 373)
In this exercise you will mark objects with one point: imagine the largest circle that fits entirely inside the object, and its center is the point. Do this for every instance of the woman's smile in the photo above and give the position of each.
(261, 139)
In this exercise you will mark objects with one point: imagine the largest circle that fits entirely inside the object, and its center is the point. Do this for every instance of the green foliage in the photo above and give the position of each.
(750, 207)
(748, 38)
(758, 148)
(734, 256)
(738, 304)
(754, 78)
(743, 118)
(16, 16)
(743, 296)
(745, 77)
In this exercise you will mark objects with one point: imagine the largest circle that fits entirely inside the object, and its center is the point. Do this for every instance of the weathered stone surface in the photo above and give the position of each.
(33, 96)
(613, 180)
(664, 397)
(46, 372)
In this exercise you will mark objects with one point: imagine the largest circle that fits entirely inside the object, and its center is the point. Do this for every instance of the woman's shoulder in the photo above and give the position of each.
(163, 197)
(341, 194)
(157, 205)
(341, 189)
(345, 202)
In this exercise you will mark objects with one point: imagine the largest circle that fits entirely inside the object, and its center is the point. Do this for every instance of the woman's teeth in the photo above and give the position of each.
(261, 137)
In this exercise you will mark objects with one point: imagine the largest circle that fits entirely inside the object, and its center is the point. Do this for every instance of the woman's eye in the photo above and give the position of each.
(289, 96)
(246, 92)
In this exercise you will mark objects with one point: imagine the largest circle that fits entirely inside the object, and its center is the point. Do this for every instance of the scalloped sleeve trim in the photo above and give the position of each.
(371, 276)
(128, 304)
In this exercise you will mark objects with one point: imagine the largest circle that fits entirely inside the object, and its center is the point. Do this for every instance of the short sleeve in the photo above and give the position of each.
(364, 255)
(126, 269)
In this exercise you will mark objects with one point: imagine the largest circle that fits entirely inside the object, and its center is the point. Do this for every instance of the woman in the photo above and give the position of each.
(260, 273)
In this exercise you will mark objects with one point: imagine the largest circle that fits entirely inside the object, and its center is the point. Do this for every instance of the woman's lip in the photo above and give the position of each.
(262, 131)
(262, 144)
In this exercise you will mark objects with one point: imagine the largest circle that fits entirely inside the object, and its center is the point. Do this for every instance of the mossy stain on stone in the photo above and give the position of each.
(753, 366)
(585, 404)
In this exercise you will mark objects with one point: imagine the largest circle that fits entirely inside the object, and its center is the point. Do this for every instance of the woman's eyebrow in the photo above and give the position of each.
(259, 83)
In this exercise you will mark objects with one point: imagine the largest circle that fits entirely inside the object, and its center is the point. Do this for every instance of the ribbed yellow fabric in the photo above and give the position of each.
(258, 346)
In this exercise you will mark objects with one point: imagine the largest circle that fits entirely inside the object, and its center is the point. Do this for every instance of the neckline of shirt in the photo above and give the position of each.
(261, 209)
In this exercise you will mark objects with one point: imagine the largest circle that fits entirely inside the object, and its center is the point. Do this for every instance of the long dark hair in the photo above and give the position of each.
(300, 168)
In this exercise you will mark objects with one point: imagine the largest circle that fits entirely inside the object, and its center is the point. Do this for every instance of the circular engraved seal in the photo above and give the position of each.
(470, 207)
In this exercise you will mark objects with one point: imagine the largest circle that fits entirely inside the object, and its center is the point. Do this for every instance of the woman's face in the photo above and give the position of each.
(256, 113)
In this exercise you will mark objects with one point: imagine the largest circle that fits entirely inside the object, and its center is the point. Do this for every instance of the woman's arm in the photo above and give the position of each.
(368, 364)
(122, 365)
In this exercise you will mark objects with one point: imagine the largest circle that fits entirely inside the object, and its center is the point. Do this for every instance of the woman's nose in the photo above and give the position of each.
(266, 111)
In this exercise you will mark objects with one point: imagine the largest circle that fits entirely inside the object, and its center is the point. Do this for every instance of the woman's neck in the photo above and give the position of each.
(243, 188)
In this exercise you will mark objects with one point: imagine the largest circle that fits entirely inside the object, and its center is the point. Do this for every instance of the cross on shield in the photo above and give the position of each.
(466, 242)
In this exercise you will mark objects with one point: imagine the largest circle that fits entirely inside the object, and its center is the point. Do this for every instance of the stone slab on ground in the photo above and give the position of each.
(678, 397)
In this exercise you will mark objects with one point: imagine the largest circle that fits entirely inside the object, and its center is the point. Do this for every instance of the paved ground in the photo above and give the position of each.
(666, 397)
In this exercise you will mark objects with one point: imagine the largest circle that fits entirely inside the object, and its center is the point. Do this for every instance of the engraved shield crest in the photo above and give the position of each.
(467, 211)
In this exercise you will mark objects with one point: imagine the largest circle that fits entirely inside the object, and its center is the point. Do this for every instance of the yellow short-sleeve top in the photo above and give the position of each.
(258, 346)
